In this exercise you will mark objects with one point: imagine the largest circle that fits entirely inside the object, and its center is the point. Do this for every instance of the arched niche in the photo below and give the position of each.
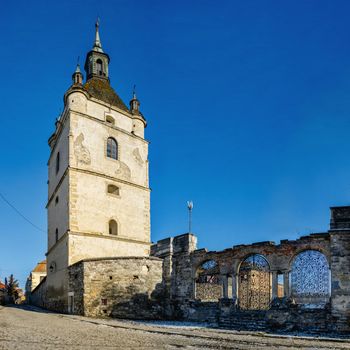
(310, 279)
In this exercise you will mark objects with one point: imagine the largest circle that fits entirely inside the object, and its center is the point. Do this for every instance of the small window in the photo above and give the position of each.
(104, 301)
(99, 67)
(113, 227)
(57, 162)
(112, 189)
(56, 200)
(110, 119)
(112, 148)
(56, 234)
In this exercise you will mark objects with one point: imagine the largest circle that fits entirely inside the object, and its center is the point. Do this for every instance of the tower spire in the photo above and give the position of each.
(96, 63)
(97, 45)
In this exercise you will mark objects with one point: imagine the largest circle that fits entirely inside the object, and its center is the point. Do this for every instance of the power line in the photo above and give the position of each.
(20, 214)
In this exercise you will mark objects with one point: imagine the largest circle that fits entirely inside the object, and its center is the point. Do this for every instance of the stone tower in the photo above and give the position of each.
(98, 190)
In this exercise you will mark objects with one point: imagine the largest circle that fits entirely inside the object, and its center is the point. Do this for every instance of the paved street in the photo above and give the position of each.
(25, 328)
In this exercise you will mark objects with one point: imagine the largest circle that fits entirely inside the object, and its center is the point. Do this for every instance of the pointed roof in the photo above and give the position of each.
(97, 44)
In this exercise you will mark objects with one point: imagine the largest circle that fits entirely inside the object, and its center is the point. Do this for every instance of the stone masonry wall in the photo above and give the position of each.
(340, 267)
(76, 287)
(176, 253)
(125, 287)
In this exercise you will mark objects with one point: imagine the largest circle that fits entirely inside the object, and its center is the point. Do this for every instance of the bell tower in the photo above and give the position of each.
(98, 196)
(96, 64)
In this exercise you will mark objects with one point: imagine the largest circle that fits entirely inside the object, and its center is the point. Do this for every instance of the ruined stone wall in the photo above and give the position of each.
(298, 319)
(178, 273)
(280, 257)
(182, 261)
(340, 266)
(164, 250)
(124, 287)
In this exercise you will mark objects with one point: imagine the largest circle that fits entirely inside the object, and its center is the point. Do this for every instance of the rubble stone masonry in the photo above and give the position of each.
(123, 287)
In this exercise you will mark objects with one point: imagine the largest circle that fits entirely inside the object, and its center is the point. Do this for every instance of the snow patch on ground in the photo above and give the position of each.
(175, 324)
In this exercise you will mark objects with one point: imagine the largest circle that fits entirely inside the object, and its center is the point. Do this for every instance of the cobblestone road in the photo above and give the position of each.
(25, 328)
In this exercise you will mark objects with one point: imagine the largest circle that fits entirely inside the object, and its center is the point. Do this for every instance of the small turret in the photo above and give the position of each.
(134, 104)
(77, 76)
(75, 97)
(139, 122)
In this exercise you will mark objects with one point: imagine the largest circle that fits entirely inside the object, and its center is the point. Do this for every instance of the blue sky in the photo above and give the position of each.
(247, 105)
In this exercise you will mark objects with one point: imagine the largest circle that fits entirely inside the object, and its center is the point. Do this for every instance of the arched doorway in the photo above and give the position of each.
(310, 279)
(254, 283)
(208, 285)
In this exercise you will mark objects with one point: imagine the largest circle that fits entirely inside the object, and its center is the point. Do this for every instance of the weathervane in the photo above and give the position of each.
(189, 207)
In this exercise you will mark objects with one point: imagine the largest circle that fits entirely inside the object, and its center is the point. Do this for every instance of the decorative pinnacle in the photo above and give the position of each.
(134, 92)
(77, 70)
(97, 44)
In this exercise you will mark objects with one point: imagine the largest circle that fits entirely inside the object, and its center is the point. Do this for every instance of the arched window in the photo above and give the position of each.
(99, 67)
(254, 283)
(310, 279)
(56, 234)
(57, 162)
(113, 227)
(112, 148)
(208, 286)
(112, 189)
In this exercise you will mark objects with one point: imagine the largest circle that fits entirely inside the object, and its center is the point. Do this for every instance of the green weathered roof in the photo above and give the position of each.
(102, 90)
